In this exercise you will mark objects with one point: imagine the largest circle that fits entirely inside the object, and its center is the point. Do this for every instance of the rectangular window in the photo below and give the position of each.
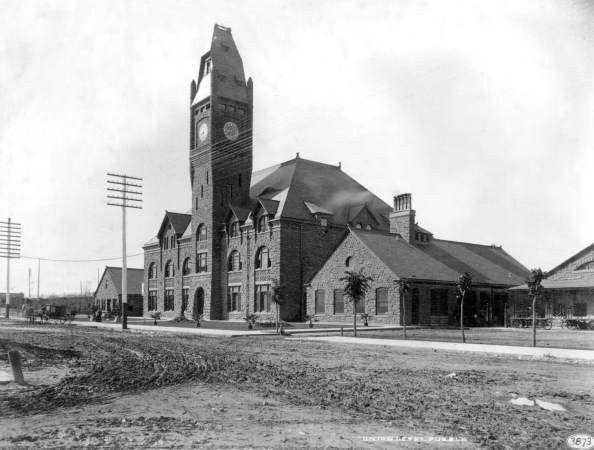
(338, 301)
(185, 298)
(234, 298)
(360, 306)
(439, 302)
(169, 302)
(320, 301)
(201, 264)
(262, 300)
(152, 301)
(579, 309)
(381, 300)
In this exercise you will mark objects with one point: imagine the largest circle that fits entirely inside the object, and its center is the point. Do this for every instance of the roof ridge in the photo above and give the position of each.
(469, 243)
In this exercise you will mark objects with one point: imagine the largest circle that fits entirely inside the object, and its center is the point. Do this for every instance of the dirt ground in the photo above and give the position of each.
(111, 389)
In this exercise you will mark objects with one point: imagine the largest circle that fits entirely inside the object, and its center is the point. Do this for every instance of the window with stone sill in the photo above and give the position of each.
(234, 263)
(169, 304)
(152, 272)
(320, 301)
(187, 267)
(201, 233)
(338, 301)
(233, 298)
(169, 269)
(201, 263)
(381, 300)
(263, 258)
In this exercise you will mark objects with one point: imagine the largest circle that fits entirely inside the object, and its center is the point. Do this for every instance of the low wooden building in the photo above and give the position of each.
(108, 295)
(568, 290)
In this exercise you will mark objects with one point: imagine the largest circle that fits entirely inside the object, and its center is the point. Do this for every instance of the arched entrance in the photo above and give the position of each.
(198, 303)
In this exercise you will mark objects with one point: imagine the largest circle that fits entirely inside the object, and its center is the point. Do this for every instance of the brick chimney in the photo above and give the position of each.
(402, 219)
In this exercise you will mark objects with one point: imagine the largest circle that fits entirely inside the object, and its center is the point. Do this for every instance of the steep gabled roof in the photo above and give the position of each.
(133, 281)
(582, 252)
(323, 185)
(403, 259)
(179, 222)
(487, 264)
(443, 260)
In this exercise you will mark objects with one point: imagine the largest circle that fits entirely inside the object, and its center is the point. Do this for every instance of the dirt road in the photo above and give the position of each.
(142, 390)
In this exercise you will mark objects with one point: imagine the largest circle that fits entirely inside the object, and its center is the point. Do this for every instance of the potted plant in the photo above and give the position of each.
(251, 320)
(198, 320)
(156, 315)
(310, 318)
(365, 318)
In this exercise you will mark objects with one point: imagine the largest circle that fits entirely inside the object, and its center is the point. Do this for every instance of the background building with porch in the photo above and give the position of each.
(568, 291)
(108, 295)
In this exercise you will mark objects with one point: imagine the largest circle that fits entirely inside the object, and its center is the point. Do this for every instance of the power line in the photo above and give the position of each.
(79, 260)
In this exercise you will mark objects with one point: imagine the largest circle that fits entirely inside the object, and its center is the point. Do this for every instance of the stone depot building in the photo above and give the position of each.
(300, 223)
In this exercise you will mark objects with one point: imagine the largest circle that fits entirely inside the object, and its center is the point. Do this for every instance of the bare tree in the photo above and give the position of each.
(463, 285)
(534, 289)
(356, 285)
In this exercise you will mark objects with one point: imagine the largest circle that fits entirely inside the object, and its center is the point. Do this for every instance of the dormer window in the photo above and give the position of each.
(262, 224)
(234, 229)
(208, 66)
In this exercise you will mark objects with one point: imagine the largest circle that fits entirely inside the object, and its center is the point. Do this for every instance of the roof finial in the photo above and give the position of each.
(297, 155)
(339, 164)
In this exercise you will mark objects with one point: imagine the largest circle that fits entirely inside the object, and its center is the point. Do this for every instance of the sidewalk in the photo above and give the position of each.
(166, 329)
(539, 352)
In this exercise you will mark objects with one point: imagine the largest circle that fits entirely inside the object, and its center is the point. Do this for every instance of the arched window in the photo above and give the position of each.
(152, 272)
(348, 261)
(262, 259)
(165, 242)
(359, 226)
(201, 234)
(234, 229)
(187, 267)
(169, 269)
(172, 241)
(368, 227)
(262, 224)
(234, 261)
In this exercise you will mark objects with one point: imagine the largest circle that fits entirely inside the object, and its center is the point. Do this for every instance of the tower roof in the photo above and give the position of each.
(221, 69)
(305, 183)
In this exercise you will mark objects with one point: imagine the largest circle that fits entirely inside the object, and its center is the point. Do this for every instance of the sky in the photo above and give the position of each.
(482, 110)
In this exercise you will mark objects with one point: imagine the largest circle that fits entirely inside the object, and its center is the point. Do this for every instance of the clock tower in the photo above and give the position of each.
(221, 103)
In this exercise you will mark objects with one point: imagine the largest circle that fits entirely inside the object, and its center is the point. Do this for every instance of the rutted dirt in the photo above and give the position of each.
(277, 393)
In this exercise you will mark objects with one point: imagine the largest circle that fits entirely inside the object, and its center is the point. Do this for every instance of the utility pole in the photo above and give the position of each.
(125, 192)
(38, 276)
(10, 247)
(29, 282)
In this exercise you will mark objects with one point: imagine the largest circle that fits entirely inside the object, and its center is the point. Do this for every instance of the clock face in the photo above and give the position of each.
(202, 131)
(231, 131)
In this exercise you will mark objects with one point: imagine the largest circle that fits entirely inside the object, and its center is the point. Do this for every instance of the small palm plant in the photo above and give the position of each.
(534, 289)
(463, 285)
(356, 285)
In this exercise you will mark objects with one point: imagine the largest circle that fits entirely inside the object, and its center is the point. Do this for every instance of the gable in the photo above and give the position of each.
(360, 256)
(578, 267)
